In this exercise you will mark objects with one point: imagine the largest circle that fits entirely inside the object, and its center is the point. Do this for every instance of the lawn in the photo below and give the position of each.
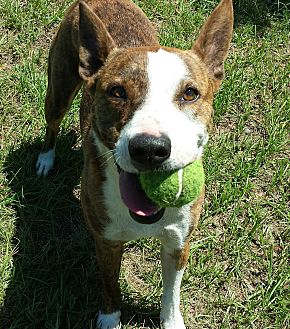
(238, 275)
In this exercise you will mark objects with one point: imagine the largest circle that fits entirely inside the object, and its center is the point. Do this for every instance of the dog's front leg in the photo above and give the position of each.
(173, 264)
(109, 255)
(63, 84)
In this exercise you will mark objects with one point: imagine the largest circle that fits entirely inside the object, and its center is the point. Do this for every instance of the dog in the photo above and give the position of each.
(144, 107)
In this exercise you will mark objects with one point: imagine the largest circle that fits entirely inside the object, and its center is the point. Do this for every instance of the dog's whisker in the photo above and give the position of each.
(106, 160)
(109, 152)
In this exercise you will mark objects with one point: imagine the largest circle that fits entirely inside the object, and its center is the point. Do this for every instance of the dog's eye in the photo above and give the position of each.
(117, 92)
(190, 94)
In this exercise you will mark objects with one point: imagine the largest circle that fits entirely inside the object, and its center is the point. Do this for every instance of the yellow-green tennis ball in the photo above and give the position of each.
(174, 188)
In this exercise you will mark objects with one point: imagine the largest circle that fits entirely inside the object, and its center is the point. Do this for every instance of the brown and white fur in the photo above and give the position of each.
(103, 44)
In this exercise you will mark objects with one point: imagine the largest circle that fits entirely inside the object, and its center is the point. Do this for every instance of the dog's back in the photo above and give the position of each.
(126, 23)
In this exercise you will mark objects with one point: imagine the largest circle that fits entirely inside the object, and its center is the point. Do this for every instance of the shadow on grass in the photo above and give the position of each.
(260, 12)
(54, 281)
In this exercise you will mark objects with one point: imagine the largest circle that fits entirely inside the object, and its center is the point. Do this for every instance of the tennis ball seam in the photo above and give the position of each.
(180, 185)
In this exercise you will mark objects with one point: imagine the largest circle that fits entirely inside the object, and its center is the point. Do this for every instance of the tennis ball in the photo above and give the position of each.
(174, 188)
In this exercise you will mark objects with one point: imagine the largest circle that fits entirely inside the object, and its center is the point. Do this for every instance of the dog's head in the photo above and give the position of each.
(153, 105)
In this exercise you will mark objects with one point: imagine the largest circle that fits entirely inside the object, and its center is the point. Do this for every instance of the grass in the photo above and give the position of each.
(238, 274)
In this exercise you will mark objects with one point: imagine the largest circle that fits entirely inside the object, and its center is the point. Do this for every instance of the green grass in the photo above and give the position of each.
(238, 275)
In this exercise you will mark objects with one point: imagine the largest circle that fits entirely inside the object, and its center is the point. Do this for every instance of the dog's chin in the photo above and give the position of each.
(150, 219)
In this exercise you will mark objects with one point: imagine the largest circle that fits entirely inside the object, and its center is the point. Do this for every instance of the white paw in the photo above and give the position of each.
(109, 321)
(45, 162)
(173, 322)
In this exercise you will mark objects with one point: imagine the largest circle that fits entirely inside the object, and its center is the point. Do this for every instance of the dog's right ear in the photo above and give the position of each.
(95, 42)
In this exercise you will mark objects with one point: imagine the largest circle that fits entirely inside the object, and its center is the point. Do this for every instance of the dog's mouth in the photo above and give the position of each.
(141, 208)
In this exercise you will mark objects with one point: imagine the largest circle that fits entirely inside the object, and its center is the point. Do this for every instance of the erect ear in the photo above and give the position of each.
(214, 39)
(95, 42)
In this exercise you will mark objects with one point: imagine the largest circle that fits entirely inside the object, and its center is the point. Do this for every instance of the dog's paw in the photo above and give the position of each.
(109, 321)
(175, 322)
(45, 162)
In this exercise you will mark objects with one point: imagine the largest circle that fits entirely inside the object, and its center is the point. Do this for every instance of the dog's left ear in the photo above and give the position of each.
(214, 39)
(95, 42)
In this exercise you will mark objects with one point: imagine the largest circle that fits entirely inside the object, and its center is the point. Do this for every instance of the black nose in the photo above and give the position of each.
(148, 152)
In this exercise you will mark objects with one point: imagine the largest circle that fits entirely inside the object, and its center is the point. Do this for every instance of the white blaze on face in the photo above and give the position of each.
(165, 72)
(160, 114)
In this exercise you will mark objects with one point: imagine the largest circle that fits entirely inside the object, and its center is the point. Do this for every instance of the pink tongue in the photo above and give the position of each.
(134, 197)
